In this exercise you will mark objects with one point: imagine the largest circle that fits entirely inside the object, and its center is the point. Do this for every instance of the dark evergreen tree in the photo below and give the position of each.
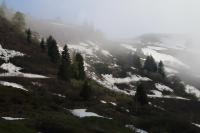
(53, 51)
(64, 69)
(141, 96)
(86, 91)
(150, 64)
(136, 61)
(29, 35)
(42, 45)
(161, 69)
(80, 65)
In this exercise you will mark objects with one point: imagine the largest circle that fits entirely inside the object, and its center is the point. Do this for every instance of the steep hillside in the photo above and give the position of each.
(33, 99)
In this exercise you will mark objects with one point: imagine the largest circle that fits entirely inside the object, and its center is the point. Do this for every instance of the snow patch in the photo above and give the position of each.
(163, 87)
(102, 101)
(168, 59)
(156, 48)
(137, 130)
(106, 53)
(14, 71)
(197, 125)
(12, 119)
(6, 54)
(129, 47)
(81, 113)
(18, 86)
(192, 90)
(114, 104)
(59, 95)
(171, 70)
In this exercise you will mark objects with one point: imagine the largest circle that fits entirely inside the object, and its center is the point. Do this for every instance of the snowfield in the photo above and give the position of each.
(137, 130)
(6, 54)
(81, 113)
(18, 86)
(163, 87)
(167, 59)
(129, 47)
(14, 71)
(192, 90)
(12, 119)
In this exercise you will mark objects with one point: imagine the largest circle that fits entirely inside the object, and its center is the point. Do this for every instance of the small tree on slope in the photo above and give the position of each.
(86, 91)
(141, 96)
(64, 69)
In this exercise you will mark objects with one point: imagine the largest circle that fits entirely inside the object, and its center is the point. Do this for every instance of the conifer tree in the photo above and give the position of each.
(2, 13)
(42, 44)
(150, 64)
(53, 51)
(141, 96)
(29, 35)
(161, 69)
(86, 91)
(64, 69)
(80, 65)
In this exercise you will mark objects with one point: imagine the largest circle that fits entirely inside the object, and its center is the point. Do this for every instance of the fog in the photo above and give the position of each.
(119, 18)
(123, 19)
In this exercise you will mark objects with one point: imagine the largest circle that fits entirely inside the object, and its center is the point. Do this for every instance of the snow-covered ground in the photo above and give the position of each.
(192, 90)
(6, 54)
(156, 48)
(12, 119)
(129, 47)
(18, 86)
(167, 59)
(161, 87)
(197, 125)
(59, 95)
(14, 71)
(137, 130)
(81, 113)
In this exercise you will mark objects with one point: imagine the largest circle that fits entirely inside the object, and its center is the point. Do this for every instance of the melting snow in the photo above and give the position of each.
(114, 104)
(13, 85)
(6, 54)
(82, 113)
(106, 53)
(14, 71)
(137, 130)
(163, 87)
(156, 48)
(102, 101)
(59, 95)
(198, 125)
(168, 59)
(192, 90)
(127, 46)
(12, 119)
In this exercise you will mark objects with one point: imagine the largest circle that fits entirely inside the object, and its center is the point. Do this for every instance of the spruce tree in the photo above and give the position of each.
(64, 69)
(86, 91)
(28, 35)
(161, 69)
(42, 44)
(53, 51)
(80, 65)
(141, 96)
(150, 64)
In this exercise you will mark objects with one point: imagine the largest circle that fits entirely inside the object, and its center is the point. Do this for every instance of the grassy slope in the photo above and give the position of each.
(45, 112)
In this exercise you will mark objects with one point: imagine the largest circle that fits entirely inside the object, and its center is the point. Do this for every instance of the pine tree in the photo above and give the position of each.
(141, 96)
(2, 13)
(136, 61)
(150, 64)
(42, 44)
(53, 51)
(29, 35)
(19, 20)
(80, 65)
(64, 69)
(161, 69)
(86, 91)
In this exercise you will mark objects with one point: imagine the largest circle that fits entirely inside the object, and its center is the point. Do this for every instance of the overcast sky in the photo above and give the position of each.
(119, 18)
